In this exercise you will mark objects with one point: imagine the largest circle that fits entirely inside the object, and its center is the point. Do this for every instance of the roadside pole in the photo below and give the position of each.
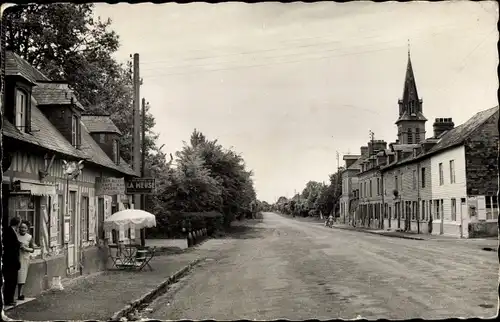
(143, 164)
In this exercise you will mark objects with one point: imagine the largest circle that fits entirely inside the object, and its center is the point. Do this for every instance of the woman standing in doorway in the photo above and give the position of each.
(27, 247)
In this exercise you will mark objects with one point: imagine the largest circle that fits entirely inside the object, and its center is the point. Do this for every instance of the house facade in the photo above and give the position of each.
(445, 184)
(349, 186)
(370, 184)
(51, 166)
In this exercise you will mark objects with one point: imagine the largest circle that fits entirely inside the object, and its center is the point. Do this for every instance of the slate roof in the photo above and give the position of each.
(357, 164)
(55, 93)
(453, 137)
(460, 133)
(15, 65)
(98, 156)
(100, 124)
(44, 133)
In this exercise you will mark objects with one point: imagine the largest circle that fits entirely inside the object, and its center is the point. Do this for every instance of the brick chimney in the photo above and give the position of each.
(364, 151)
(442, 125)
(378, 145)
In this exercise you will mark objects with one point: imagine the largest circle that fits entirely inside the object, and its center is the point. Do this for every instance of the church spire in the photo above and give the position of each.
(410, 93)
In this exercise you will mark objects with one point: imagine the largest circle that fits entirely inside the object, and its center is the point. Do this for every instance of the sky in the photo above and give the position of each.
(290, 85)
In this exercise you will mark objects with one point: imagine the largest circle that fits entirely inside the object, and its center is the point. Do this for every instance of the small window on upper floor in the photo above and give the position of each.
(21, 110)
(75, 131)
(102, 138)
(116, 151)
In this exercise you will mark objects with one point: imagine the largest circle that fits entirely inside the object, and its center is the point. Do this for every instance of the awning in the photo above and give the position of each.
(39, 189)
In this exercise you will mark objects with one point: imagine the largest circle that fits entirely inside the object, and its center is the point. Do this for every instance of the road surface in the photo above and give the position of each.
(283, 268)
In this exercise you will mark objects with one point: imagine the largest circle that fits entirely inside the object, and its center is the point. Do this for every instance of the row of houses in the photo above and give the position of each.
(45, 133)
(445, 183)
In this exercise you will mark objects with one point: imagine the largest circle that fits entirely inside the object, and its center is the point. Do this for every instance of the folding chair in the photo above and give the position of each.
(144, 256)
(114, 258)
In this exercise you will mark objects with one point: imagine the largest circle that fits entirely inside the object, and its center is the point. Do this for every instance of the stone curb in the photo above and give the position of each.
(153, 293)
(388, 234)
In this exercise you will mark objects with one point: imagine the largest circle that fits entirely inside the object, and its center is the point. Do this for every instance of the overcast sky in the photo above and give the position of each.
(288, 85)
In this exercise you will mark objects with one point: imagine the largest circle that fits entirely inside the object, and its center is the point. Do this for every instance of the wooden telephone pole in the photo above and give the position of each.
(136, 127)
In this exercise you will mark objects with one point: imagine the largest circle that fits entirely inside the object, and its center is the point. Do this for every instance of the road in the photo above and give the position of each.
(288, 269)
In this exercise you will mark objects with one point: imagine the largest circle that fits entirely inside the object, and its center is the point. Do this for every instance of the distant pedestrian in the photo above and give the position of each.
(27, 247)
(11, 264)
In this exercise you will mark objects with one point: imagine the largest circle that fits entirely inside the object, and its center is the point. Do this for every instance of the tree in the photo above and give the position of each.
(65, 41)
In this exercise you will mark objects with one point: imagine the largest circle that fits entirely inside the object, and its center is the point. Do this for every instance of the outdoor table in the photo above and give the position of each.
(131, 256)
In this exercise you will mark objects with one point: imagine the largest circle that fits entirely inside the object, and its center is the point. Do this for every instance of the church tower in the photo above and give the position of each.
(411, 121)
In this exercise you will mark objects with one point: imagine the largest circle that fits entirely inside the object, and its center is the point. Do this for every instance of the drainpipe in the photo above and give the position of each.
(383, 200)
(418, 197)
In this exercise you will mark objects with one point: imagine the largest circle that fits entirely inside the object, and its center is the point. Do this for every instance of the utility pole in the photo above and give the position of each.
(143, 164)
(137, 121)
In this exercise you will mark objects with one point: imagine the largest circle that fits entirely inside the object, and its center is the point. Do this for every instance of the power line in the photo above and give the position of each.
(293, 47)
(275, 63)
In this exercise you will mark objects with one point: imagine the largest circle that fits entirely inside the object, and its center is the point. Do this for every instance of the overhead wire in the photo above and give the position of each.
(280, 48)
(286, 62)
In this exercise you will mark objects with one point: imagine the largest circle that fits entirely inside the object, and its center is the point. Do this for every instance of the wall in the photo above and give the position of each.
(448, 190)
(368, 202)
(52, 259)
(107, 145)
(481, 155)
(60, 116)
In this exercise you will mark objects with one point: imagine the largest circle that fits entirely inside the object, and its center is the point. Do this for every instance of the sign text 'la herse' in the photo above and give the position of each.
(140, 186)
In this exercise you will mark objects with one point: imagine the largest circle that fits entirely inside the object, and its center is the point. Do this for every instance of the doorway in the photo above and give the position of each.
(70, 233)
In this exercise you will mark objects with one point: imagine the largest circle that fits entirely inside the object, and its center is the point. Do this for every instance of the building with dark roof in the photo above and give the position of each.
(445, 184)
(44, 135)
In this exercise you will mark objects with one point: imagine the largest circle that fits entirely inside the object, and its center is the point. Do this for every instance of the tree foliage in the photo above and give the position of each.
(316, 198)
(65, 42)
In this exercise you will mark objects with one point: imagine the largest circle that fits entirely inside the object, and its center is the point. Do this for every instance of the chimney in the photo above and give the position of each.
(381, 158)
(427, 145)
(350, 159)
(442, 125)
(364, 151)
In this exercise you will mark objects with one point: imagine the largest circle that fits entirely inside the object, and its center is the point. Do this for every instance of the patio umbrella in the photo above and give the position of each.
(130, 218)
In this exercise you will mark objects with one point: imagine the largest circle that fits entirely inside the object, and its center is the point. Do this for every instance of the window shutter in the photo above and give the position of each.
(54, 213)
(78, 133)
(28, 114)
(92, 218)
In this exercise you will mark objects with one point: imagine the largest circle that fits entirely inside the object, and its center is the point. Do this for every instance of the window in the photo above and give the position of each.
(437, 209)
(378, 186)
(452, 171)
(417, 135)
(60, 220)
(422, 211)
(414, 179)
(24, 207)
(410, 137)
(390, 212)
(441, 179)
(21, 110)
(370, 187)
(491, 207)
(85, 218)
(396, 182)
(423, 177)
(453, 209)
(75, 131)
(415, 213)
(102, 138)
(441, 204)
(364, 193)
(116, 152)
